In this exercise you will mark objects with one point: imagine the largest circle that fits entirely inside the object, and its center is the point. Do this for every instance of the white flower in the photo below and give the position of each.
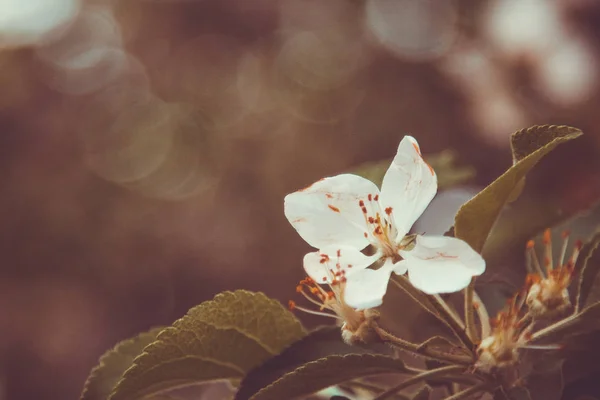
(329, 293)
(344, 214)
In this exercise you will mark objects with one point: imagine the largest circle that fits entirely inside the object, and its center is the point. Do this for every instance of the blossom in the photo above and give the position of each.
(344, 214)
(512, 332)
(328, 295)
(548, 294)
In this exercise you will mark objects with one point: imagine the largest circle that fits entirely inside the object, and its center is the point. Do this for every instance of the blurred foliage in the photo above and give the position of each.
(146, 147)
(448, 173)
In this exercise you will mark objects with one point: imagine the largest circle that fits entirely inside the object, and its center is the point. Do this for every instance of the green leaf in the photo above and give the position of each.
(588, 266)
(321, 342)
(255, 315)
(221, 339)
(443, 163)
(323, 373)
(114, 363)
(475, 219)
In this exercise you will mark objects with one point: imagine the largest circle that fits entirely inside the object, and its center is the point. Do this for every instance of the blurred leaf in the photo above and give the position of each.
(515, 393)
(587, 320)
(422, 394)
(582, 354)
(320, 343)
(220, 339)
(326, 372)
(588, 266)
(475, 219)
(114, 363)
(547, 383)
(443, 163)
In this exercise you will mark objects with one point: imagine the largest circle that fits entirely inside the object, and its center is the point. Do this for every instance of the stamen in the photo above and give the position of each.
(323, 314)
(543, 346)
(533, 263)
(548, 250)
(576, 251)
(563, 250)
(315, 302)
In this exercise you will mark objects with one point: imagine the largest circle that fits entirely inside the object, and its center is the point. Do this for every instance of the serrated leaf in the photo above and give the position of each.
(319, 343)
(323, 373)
(588, 266)
(114, 363)
(443, 163)
(221, 339)
(262, 318)
(475, 219)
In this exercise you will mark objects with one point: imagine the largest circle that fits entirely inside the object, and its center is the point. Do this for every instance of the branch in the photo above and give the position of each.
(469, 313)
(422, 350)
(437, 307)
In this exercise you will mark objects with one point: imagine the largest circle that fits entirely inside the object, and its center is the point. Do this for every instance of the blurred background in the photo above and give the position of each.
(146, 145)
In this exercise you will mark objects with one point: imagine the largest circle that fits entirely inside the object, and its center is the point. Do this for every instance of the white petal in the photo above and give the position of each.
(408, 186)
(366, 288)
(328, 212)
(332, 262)
(440, 264)
(401, 267)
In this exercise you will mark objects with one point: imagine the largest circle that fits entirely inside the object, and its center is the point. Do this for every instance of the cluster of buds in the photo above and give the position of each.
(511, 331)
(545, 296)
(548, 294)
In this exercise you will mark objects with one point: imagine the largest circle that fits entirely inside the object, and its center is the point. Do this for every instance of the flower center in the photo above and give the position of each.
(500, 349)
(331, 300)
(548, 285)
(380, 229)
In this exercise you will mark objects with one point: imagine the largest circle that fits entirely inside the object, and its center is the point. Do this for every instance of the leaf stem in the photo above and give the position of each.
(555, 326)
(484, 317)
(421, 350)
(470, 313)
(416, 379)
(438, 308)
(469, 391)
(449, 311)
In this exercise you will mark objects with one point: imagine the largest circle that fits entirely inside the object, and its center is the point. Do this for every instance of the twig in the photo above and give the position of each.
(437, 309)
(484, 317)
(454, 323)
(450, 311)
(416, 379)
(424, 351)
(469, 313)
